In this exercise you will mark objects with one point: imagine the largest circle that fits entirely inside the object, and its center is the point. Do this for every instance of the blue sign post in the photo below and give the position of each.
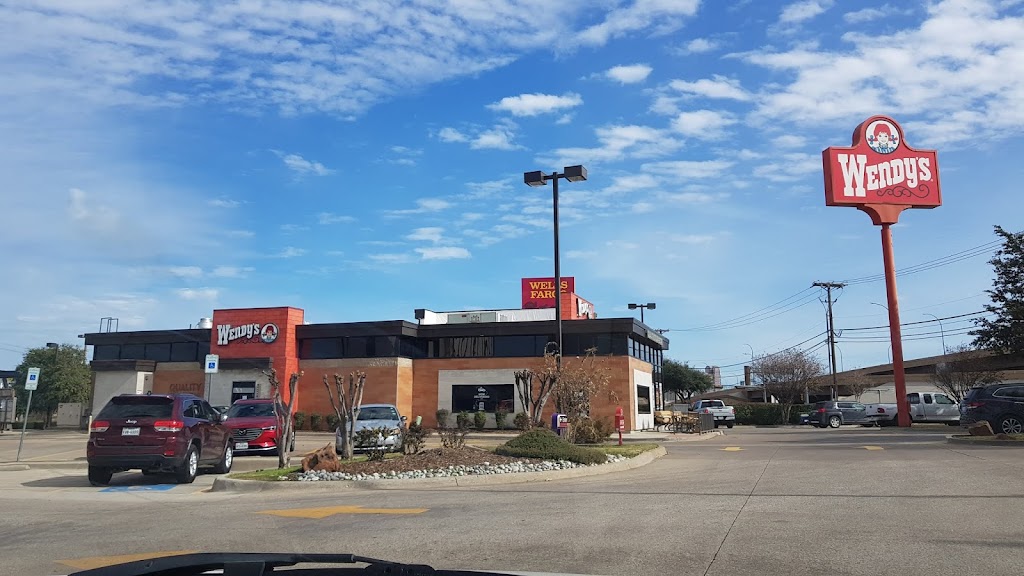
(31, 383)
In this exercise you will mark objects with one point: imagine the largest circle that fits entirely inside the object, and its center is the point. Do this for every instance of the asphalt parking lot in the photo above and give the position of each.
(755, 501)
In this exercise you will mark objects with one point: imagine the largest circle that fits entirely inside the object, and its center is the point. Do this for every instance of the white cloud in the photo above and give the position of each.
(699, 46)
(423, 206)
(392, 258)
(667, 15)
(695, 239)
(447, 134)
(564, 119)
(329, 218)
(789, 167)
(681, 170)
(630, 74)
(240, 233)
(617, 142)
(232, 271)
(427, 234)
(91, 214)
(473, 216)
(960, 89)
(717, 86)
(198, 293)
(290, 252)
(536, 104)
(497, 138)
(293, 228)
(185, 271)
(803, 10)
(443, 253)
(224, 203)
(301, 166)
(579, 254)
(703, 124)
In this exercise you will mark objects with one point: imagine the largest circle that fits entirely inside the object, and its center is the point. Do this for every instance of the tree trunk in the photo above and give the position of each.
(348, 432)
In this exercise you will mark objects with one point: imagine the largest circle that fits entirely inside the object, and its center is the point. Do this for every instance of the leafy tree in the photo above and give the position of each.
(788, 375)
(1005, 331)
(63, 377)
(683, 381)
(968, 370)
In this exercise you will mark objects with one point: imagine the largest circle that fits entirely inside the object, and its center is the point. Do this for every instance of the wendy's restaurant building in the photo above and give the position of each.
(459, 361)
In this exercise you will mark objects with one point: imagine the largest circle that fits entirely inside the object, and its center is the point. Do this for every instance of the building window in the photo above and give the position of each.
(384, 346)
(515, 346)
(184, 352)
(482, 398)
(133, 352)
(358, 347)
(319, 348)
(412, 347)
(603, 343)
(106, 352)
(471, 347)
(158, 352)
(643, 399)
(620, 345)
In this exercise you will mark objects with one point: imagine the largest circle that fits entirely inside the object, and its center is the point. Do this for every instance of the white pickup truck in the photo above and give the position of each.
(925, 407)
(723, 414)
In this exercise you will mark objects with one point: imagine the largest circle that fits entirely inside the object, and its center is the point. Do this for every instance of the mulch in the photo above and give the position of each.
(430, 460)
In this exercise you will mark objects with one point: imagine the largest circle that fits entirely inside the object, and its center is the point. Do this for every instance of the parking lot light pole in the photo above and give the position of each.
(649, 306)
(536, 179)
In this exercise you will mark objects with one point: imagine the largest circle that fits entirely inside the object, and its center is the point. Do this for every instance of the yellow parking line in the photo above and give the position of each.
(873, 448)
(101, 561)
(731, 449)
(324, 512)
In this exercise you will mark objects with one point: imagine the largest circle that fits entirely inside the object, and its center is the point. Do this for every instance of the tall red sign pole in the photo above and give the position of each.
(882, 176)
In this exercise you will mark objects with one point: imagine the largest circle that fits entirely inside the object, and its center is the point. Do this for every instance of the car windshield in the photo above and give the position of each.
(251, 410)
(137, 407)
(377, 413)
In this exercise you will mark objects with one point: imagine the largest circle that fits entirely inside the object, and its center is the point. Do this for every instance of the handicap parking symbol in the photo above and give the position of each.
(143, 488)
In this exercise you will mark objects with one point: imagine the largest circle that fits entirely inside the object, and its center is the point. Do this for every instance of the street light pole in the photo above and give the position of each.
(648, 306)
(538, 178)
(942, 333)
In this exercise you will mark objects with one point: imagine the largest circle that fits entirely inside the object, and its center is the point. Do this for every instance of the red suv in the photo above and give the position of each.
(155, 433)
(253, 426)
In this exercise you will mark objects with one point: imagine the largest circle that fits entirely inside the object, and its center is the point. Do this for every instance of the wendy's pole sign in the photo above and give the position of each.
(882, 176)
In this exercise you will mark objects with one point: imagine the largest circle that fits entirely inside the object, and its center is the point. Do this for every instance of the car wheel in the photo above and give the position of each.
(716, 424)
(100, 476)
(835, 422)
(1011, 425)
(224, 466)
(730, 425)
(186, 473)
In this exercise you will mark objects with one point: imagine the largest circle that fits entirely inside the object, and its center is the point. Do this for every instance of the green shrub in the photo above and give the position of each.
(332, 422)
(300, 420)
(413, 437)
(545, 444)
(499, 418)
(314, 421)
(522, 421)
(463, 421)
(591, 431)
(479, 420)
(372, 439)
(767, 414)
(442, 418)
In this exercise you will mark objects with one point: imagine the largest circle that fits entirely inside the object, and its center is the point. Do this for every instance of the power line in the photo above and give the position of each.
(931, 264)
(932, 321)
(755, 317)
(778, 352)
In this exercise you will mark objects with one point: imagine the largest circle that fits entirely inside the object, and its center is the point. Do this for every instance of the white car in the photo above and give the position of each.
(376, 416)
(723, 414)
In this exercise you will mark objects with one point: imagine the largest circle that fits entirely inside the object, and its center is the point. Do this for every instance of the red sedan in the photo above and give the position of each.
(253, 427)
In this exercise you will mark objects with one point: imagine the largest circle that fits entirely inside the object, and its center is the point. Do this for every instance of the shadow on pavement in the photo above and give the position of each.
(82, 481)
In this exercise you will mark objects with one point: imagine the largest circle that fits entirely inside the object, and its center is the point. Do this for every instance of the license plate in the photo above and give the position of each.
(129, 431)
(241, 445)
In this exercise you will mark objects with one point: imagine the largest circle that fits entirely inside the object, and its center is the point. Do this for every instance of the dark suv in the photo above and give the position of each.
(835, 413)
(175, 433)
(1002, 405)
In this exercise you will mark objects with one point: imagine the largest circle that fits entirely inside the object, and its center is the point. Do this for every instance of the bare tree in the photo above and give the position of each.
(856, 384)
(346, 402)
(577, 385)
(535, 387)
(284, 414)
(968, 370)
(788, 375)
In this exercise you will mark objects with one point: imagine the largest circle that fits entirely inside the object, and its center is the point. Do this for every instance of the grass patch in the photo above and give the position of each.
(267, 475)
(629, 450)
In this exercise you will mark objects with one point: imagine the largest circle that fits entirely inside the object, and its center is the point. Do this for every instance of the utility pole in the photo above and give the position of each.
(828, 286)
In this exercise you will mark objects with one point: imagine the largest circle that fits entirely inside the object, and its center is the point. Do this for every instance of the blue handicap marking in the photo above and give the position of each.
(143, 488)
(33, 376)
(212, 365)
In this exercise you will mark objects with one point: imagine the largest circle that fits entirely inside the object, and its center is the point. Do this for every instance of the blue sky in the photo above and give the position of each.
(363, 159)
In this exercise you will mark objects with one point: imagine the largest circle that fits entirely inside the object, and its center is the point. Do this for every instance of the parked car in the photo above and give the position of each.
(723, 414)
(222, 409)
(1002, 405)
(925, 407)
(377, 416)
(253, 426)
(175, 433)
(835, 413)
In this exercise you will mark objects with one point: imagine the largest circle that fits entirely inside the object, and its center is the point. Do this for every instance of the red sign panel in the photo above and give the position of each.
(540, 292)
(879, 168)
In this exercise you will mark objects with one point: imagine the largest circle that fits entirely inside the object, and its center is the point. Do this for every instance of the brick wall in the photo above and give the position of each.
(382, 378)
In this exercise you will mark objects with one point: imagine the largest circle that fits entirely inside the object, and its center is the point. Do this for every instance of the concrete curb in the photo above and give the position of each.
(232, 485)
(29, 465)
(13, 467)
(963, 441)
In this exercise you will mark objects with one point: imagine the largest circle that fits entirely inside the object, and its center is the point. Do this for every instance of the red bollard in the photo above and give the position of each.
(620, 422)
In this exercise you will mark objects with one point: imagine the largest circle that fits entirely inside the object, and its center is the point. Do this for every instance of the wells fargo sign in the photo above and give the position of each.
(879, 168)
(540, 292)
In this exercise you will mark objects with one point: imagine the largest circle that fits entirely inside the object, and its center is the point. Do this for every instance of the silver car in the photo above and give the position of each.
(377, 416)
